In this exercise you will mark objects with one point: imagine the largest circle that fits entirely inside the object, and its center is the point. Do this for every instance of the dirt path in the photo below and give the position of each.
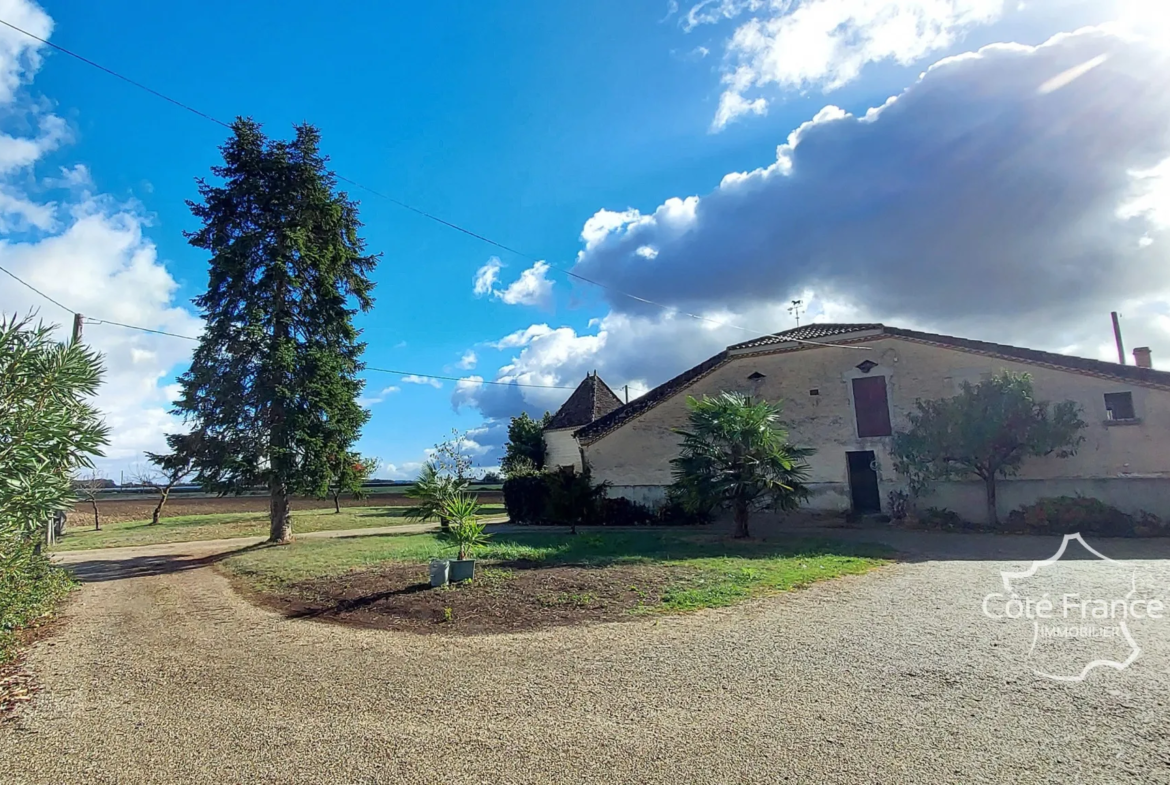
(162, 674)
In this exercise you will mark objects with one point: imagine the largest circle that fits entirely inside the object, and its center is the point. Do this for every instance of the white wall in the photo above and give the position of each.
(639, 452)
(561, 449)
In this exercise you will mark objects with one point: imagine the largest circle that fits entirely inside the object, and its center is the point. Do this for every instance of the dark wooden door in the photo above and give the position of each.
(863, 482)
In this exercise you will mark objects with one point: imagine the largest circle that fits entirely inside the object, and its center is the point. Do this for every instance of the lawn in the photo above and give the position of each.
(219, 526)
(529, 580)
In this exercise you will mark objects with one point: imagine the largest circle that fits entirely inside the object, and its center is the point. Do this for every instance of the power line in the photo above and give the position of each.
(116, 75)
(28, 285)
(142, 329)
(431, 216)
(176, 335)
(470, 379)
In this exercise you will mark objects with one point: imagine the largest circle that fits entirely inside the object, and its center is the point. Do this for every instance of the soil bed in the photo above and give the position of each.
(504, 597)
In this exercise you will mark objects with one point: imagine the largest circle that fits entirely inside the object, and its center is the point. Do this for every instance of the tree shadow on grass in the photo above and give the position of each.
(103, 570)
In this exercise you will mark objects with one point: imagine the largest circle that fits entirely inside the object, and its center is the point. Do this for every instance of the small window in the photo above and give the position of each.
(1119, 406)
(872, 406)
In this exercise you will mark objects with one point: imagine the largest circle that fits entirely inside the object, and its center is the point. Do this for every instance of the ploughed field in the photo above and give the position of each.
(140, 508)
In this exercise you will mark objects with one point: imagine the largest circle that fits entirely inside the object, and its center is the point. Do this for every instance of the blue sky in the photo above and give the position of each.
(520, 120)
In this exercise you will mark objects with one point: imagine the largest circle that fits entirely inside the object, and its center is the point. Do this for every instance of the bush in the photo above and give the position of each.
(526, 498)
(1084, 514)
(28, 593)
(677, 513)
(573, 499)
(940, 519)
(620, 511)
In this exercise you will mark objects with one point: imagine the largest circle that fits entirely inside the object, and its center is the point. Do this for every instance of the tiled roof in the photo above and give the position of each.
(592, 399)
(651, 399)
(809, 332)
(1063, 361)
(816, 332)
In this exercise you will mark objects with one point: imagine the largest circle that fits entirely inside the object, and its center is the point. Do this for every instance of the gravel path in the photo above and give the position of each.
(891, 677)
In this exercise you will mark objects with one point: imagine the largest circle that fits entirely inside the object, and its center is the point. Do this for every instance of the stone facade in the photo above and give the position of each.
(816, 386)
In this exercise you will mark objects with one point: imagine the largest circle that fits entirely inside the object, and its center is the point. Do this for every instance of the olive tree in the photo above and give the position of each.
(986, 432)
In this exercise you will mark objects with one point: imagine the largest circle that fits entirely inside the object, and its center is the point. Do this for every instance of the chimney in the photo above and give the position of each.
(1141, 357)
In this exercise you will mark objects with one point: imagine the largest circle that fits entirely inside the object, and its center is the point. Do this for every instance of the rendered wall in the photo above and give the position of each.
(639, 452)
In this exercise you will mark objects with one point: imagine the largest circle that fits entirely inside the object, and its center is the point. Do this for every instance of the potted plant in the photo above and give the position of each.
(466, 531)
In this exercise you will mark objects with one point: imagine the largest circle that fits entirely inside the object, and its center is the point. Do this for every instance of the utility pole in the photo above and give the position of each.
(626, 387)
(78, 321)
(795, 310)
(1117, 337)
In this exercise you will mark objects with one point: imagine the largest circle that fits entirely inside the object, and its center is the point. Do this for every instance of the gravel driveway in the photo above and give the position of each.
(892, 677)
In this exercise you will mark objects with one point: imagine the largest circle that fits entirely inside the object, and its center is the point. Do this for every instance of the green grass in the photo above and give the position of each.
(221, 526)
(710, 571)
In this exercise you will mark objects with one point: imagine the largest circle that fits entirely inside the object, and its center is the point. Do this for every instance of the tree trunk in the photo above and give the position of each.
(97, 522)
(741, 520)
(280, 520)
(337, 502)
(992, 512)
(154, 517)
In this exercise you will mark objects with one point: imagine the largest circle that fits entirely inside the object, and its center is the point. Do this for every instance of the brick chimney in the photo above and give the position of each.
(1141, 357)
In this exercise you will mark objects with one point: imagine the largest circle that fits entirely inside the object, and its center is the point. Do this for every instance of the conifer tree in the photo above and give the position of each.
(273, 386)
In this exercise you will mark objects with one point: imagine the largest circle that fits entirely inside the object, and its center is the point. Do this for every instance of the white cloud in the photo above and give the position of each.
(532, 287)
(486, 277)
(970, 203)
(522, 337)
(468, 360)
(77, 176)
(91, 253)
(398, 471)
(382, 395)
(20, 56)
(416, 379)
(826, 43)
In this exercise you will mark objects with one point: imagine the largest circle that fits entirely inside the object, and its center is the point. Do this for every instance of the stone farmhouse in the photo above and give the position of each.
(847, 391)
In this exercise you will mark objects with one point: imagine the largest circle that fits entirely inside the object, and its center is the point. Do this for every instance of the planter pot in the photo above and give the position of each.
(440, 572)
(461, 570)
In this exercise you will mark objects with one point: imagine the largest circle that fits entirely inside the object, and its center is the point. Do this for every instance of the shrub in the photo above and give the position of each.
(573, 499)
(526, 498)
(620, 511)
(1084, 514)
(27, 595)
(677, 513)
(940, 519)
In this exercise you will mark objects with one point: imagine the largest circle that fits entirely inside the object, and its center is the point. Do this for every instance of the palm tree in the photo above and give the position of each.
(735, 454)
(431, 492)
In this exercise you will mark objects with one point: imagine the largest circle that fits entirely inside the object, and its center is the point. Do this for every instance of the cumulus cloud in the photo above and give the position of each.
(407, 470)
(90, 252)
(972, 202)
(382, 395)
(826, 43)
(533, 287)
(468, 360)
(416, 379)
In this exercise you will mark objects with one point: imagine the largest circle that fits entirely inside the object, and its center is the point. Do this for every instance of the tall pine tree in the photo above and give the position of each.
(273, 386)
